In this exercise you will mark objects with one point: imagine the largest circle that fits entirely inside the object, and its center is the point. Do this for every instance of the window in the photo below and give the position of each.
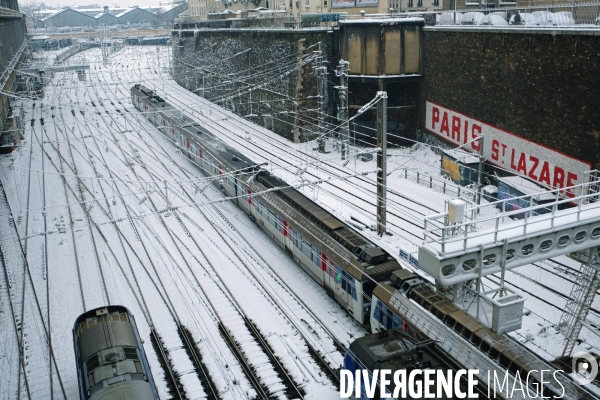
(307, 3)
(436, 3)
(419, 3)
(325, 3)
(306, 248)
(410, 3)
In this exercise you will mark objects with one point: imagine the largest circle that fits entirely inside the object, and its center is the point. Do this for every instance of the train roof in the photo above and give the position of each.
(218, 147)
(151, 95)
(395, 350)
(338, 230)
(96, 312)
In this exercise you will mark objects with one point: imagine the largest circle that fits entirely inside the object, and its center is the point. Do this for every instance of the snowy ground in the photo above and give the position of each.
(545, 285)
(82, 187)
(87, 192)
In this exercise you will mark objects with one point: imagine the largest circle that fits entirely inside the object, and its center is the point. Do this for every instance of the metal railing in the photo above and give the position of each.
(504, 15)
(439, 231)
(534, 16)
(439, 184)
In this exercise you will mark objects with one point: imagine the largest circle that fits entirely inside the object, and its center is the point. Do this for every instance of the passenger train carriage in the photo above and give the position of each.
(111, 363)
(358, 274)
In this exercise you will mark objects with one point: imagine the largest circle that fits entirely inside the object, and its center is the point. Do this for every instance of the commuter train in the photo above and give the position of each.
(111, 363)
(359, 275)
(394, 350)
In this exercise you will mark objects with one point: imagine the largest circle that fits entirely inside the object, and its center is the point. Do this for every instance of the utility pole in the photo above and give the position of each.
(321, 73)
(381, 163)
(480, 170)
(342, 73)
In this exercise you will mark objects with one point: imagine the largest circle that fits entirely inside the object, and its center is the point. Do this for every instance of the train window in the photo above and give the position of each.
(316, 256)
(351, 285)
(377, 310)
(339, 278)
(307, 248)
(396, 321)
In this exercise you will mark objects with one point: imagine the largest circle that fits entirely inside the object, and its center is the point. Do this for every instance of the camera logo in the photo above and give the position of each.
(585, 368)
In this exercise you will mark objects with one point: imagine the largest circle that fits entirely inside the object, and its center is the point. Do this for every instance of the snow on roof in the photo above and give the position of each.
(40, 37)
(63, 11)
(368, 20)
(526, 186)
(170, 7)
(102, 14)
(131, 10)
(463, 156)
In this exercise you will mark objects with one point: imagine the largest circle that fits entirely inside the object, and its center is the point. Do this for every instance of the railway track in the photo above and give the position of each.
(237, 305)
(188, 176)
(164, 353)
(229, 133)
(235, 348)
(100, 224)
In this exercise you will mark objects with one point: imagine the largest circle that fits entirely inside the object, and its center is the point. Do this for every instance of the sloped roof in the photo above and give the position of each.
(102, 14)
(132, 9)
(171, 7)
(62, 11)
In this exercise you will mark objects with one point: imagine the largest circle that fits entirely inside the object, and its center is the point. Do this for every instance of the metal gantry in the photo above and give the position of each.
(581, 297)
(464, 244)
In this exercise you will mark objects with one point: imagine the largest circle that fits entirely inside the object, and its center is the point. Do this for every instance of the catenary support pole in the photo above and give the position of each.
(381, 163)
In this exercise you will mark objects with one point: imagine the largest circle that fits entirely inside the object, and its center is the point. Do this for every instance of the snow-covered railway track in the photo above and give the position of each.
(320, 351)
(166, 354)
(315, 325)
(147, 228)
(278, 153)
(235, 327)
(31, 375)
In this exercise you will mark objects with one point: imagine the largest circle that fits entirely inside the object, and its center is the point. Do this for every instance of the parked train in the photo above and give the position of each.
(111, 363)
(394, 350)
(358, 274)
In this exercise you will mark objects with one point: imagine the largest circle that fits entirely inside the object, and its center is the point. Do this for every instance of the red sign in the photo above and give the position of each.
(511, 152)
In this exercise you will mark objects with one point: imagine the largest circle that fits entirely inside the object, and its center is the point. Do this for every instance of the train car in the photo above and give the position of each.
(358, 274)
(111, 363)
(331, 252)
(394, 349)
(508, 354)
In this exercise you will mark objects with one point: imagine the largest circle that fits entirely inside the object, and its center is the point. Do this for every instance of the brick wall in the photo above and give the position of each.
(539, 84)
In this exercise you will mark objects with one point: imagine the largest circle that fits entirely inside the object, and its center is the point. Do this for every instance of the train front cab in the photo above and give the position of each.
(111, 363)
